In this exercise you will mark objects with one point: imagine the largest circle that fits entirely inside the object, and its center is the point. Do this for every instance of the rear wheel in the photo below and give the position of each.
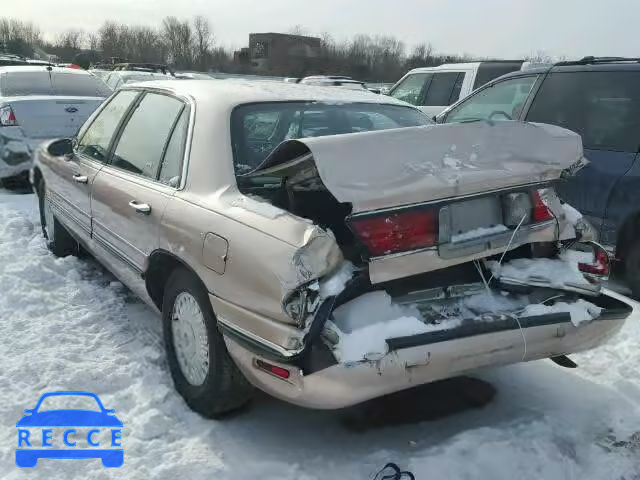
(59, 241)
(202, 370)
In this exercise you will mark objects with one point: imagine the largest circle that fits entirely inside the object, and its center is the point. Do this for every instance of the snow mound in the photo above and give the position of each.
(580, 310)
(335, 283)
(556, 271)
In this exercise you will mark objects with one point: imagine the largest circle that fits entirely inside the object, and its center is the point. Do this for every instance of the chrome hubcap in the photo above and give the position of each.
(190, 339)
(48, 218)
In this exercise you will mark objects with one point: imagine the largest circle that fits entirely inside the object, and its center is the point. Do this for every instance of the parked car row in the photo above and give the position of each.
(327, 245)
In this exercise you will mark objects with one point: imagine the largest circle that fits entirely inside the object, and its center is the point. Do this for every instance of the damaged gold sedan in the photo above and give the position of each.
(328, 246)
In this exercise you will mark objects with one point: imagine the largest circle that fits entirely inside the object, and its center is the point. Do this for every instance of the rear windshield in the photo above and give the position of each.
(14, 84)
(257, 129)
(603, 107)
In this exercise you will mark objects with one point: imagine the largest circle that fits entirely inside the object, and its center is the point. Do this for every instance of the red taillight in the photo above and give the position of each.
(7, 117)
(273, 369)
(600, 265)
(541, 212)
(397, 232)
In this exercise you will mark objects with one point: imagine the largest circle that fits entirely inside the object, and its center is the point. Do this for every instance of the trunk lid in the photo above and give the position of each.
(42, 117)
(427, 198)
(389, 168)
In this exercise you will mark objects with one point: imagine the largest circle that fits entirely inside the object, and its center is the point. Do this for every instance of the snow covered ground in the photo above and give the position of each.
(67, 325)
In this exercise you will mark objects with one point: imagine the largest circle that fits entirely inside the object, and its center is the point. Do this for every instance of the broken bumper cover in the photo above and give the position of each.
(424, 358)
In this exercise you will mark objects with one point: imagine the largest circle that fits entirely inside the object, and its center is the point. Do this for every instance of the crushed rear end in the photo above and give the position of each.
(455, 256)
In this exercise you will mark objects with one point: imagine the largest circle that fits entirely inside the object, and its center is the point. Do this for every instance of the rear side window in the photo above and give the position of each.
(77, 85)
(14, 84)
(410, 89)
(97, 137)
(489, 71)
(603, 107)
(171, 167)
(145, 135)
(441, 88)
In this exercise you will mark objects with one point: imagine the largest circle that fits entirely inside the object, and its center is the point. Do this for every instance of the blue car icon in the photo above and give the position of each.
(28, 457)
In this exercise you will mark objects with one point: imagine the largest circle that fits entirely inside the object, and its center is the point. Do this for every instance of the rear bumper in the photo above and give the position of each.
(421, 359)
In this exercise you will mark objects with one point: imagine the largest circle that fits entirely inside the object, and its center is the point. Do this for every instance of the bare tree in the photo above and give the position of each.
(203, 41)
(178, 39)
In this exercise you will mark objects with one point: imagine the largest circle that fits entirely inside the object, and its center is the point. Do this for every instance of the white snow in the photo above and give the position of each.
(572, 215)
(336, 281)
(556, 271)
(477, 233)
(369, 342)
(65, 328)
(580, 310)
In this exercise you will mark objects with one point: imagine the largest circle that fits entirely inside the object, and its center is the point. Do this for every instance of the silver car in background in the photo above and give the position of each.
(39, 103)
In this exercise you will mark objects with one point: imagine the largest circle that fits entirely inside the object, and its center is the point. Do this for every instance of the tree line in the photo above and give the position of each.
(191, 45)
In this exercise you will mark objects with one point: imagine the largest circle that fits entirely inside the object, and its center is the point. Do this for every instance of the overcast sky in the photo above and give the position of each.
(489, 28)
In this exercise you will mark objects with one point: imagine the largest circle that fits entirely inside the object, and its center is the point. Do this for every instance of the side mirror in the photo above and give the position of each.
(61, 148)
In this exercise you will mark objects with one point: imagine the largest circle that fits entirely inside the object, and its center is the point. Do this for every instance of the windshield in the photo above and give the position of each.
(14, 84)
(257, 129)
(69, 402)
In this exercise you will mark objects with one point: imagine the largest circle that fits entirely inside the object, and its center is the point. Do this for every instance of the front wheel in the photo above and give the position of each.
(58, 239)
(202, 370)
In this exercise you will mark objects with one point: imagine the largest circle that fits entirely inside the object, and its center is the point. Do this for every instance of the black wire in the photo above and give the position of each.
(395, 474)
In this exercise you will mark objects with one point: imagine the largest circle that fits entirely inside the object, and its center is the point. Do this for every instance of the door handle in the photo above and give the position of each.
(140, 207)
(80, 178)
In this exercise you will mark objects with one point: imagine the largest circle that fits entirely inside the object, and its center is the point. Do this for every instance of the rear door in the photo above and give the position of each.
(69, 181)
(130, 193)
(604, 108)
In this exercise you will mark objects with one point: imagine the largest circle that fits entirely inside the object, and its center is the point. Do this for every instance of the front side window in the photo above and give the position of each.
(441, 88)
(500, 101)
(257, 129)
(603, 107)
(145, 135)
(96, 139)
(410, 89)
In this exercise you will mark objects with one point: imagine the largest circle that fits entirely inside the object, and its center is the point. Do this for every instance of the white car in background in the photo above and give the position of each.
(432, 89)
(118, 78)
(39, 103)
(333, 81)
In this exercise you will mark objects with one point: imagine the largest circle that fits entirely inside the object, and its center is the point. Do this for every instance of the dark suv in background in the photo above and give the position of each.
(599, 98)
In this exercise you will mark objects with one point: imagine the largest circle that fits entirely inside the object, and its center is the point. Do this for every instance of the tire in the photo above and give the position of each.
(59, 241)
(214, 389)
(632, 268)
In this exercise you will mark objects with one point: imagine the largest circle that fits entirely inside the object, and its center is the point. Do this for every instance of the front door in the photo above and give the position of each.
(130, 193)
(70, 180)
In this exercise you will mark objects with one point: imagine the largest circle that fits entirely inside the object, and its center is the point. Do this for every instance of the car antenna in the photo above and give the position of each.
(49, 68)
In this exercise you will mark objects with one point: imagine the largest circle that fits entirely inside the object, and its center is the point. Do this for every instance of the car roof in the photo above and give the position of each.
(233, 92)
(42, 68)
(462, 66)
